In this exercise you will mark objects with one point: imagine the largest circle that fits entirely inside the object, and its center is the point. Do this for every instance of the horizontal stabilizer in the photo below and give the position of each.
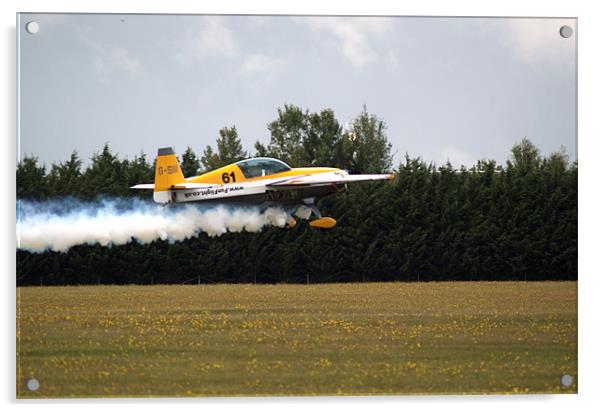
(179, 186)
(150, 186)
(182, 186)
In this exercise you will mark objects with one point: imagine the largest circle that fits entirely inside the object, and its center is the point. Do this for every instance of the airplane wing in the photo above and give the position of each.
(321, 179)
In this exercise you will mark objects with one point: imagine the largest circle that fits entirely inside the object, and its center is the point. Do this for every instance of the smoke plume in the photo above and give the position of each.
(58, 225)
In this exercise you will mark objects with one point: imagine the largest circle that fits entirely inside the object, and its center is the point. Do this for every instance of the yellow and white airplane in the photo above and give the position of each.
(259, 180)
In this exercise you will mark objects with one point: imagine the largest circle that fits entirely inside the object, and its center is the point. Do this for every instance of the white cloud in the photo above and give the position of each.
(116, 59)
(536, 42)
(357, 38)
(111, 59)
(261, 64)
(211, 38)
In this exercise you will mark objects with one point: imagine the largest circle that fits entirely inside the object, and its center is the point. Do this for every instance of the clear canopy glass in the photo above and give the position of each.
(262, 166)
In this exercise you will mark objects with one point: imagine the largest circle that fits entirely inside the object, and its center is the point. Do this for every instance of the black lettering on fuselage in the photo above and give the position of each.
(281, 195)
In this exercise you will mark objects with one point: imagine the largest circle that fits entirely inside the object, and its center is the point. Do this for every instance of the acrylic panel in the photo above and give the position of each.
(235, 205)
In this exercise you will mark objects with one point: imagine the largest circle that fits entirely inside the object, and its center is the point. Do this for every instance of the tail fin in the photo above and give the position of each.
(167, 174)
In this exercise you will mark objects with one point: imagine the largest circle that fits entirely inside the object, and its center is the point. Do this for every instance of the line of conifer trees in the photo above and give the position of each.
(516, 221)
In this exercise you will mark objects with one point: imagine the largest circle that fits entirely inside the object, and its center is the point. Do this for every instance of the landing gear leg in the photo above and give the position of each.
(321, 222)
(315, 210)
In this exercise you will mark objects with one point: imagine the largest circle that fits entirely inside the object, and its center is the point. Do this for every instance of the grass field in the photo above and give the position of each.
(368, 338)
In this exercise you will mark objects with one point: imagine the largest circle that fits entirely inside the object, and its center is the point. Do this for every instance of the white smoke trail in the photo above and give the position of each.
(58, 225)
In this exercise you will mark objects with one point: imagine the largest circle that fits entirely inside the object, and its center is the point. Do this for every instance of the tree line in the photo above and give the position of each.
(489, 221)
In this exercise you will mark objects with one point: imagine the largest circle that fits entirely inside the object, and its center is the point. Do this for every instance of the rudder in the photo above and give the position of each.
(167, 174)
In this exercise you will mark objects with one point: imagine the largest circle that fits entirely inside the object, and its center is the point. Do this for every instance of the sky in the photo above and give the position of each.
(457, 89)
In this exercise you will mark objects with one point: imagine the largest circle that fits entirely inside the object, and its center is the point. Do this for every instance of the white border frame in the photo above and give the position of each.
(590, 276)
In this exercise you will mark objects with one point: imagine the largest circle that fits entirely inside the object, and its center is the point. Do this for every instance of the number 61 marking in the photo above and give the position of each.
(227, 177)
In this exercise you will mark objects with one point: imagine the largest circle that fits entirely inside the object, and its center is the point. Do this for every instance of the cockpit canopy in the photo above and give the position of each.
(262, 166)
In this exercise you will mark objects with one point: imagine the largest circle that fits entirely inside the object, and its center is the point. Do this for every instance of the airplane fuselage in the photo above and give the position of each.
(253, 192)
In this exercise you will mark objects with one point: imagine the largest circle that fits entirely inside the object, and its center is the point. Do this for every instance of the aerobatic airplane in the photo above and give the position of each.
(259, 180)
